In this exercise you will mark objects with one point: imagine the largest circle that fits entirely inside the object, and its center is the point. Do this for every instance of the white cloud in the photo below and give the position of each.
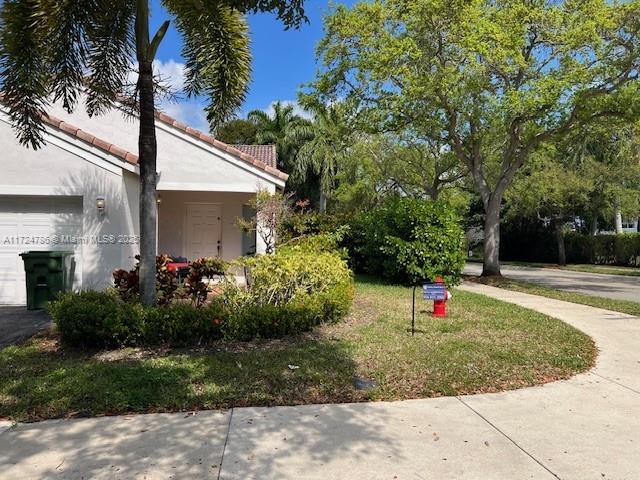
(297, 109)
(190, 112)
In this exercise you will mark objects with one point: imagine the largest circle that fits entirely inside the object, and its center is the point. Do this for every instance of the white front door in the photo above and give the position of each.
(203, 229)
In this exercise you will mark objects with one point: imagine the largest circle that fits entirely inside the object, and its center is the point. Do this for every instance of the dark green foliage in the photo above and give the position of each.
(408, 240)
(127, 283)
(290, 292)
(623, 249)
(238, 131)
(527, 240)
(182, 324)
(101, 320)
(96, 319)
(200, 269)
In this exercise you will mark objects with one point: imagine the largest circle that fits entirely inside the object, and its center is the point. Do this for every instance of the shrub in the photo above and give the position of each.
(408, 240)
(127, 283)
(183, 324)
(290, 292)
(200, 269)
(622, 249)
(96, 319)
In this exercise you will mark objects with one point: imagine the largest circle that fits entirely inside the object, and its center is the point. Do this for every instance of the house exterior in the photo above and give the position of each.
(80, 193)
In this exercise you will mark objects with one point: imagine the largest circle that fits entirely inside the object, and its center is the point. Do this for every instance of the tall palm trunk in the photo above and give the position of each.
(147, 152)
(323, 201)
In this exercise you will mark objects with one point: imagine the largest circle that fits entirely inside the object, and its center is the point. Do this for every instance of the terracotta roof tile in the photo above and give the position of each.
(91, 139)
(234, 150)
(265, 153)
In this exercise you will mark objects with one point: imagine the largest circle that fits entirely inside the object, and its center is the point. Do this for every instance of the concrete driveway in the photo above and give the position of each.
(617, 287)
(18, 323)
(585, 428)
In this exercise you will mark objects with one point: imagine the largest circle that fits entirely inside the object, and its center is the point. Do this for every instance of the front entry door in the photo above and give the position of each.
(203, 231)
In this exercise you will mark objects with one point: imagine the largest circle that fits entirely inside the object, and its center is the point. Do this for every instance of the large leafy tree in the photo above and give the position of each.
(493, 79)
(59, 50)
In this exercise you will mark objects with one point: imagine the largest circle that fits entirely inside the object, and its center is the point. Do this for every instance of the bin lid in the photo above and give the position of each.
(45, 254)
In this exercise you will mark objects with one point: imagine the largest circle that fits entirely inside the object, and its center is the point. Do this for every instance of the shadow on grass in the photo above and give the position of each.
(38, 383)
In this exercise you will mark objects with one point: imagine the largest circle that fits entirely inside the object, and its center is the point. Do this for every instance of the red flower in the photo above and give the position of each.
(216, 321)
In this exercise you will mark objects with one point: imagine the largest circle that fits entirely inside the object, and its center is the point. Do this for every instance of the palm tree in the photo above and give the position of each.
(324, 143)
(277, 129)
(59, 50)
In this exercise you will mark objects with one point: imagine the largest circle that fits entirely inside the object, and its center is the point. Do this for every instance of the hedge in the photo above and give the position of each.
(289, 292)
(621, 249)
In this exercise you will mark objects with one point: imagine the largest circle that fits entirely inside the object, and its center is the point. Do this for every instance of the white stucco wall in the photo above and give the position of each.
(172, 212)
(184, 163)
(54, 171)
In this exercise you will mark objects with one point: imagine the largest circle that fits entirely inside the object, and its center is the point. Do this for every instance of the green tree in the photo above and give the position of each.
(237, 132)
(276, 129)
(493, 79)
(323, 143)
(57, 50)
(553, 188)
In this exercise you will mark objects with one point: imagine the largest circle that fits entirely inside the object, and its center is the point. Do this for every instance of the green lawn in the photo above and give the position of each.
(624, 306)
(482, 346)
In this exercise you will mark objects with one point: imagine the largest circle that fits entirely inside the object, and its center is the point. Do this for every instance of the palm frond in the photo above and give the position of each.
(110, 52)
(24, 72)
(217, 54)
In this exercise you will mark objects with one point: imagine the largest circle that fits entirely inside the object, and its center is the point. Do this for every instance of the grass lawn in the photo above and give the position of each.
(624, 306)
(482, 346)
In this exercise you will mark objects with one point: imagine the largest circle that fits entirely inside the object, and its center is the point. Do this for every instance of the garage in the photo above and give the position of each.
(35, 223)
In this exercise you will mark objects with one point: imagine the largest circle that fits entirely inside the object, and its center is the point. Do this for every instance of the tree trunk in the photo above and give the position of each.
(147, 151)
(562, 254)
(618, 216)
(323, 201)
(491, 262)
(594, 226)
(147, 148)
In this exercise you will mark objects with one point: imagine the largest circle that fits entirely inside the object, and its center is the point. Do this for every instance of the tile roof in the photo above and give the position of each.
(264, 153)
(91, 139)
(205, 137)
(130, 157)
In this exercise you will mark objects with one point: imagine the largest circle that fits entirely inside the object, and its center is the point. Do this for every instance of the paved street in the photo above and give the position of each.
(583, 428)
(18, 323)
(617, 287)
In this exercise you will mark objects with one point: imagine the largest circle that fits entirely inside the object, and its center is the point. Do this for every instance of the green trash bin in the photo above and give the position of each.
(47, 273)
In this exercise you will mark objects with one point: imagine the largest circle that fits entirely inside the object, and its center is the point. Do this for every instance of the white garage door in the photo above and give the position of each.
(34, 223)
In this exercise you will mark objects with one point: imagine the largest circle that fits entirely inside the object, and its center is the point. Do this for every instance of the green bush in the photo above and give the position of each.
(408, 241)
(96, 319)
(289, 292)
(183, 324)
(622, 249)
(102, 320)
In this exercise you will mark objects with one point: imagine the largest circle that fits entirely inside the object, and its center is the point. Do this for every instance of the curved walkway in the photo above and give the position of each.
(584, 428)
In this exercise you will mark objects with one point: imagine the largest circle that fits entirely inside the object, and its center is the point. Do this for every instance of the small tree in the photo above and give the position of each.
(272, 209)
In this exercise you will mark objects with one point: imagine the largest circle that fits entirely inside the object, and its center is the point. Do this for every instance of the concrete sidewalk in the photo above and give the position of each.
(584, 428)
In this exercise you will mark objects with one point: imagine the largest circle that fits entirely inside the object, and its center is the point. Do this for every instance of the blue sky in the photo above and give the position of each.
(282, 60)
